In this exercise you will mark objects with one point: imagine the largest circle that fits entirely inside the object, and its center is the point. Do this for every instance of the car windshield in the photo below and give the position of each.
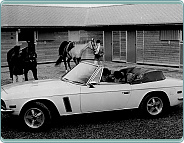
(80, 74)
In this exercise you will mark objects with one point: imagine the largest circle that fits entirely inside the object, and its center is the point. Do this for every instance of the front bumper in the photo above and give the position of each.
(180, 98)
(6, 111)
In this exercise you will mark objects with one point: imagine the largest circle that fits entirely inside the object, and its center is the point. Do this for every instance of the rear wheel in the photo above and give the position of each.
(36, 116)
(153, 106)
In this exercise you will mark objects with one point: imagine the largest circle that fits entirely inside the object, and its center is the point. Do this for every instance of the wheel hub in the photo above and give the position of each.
(34, 118)
(154, 106)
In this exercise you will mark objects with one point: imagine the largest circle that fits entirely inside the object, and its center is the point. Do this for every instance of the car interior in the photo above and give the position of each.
(131, 75)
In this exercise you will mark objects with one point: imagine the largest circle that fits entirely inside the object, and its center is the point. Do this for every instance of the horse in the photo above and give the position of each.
(28, 56)
(64, 47)
(69, 50)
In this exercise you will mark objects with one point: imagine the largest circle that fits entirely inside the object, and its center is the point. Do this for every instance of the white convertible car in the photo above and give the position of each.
(82, 91)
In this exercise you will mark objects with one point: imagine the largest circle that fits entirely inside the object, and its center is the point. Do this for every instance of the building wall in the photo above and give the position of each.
(7, 42)
(47, 48)
(151, 47)
(152, 50)
(48, 42)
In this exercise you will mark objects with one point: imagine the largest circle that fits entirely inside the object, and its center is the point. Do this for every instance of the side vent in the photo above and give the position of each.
(179, 92)
(67, 104)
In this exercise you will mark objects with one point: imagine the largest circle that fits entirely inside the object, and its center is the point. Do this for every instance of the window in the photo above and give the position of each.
(181, 35)
(81, 73)
(74, 35)
(170, 35)
(46, 36)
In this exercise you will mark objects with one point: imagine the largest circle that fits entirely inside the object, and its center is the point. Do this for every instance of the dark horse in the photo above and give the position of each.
(64, 48)
(69, 50)
(28, 56)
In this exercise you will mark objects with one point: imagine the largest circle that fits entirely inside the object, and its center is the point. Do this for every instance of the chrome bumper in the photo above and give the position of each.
(180, 98)
(6, 111)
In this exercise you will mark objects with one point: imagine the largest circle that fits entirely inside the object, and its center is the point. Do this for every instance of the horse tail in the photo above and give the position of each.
(61, 52)
(59, 60)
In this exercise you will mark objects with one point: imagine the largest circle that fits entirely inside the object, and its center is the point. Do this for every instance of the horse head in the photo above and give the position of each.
(70, 46)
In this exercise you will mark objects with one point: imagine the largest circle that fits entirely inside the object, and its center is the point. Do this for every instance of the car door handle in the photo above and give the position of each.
(126, 92)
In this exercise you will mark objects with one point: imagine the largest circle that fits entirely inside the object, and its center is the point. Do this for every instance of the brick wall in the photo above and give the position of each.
(8, 41)
(150, 49)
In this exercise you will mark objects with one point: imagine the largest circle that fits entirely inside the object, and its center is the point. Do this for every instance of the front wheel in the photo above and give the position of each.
(153, 106)
(36, 116)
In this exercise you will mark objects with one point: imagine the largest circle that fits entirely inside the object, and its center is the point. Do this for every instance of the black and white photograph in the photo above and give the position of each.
(92, 71)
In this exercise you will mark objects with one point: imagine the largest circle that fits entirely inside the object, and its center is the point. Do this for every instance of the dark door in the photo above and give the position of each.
(131, 46)
(108, 45)
(181, 54)
(26, 35)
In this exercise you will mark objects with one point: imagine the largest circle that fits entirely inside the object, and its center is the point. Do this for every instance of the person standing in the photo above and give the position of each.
(17, 63)
(98, 60)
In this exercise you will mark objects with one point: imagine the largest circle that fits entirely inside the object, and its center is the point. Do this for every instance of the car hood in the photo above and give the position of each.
(38, 88)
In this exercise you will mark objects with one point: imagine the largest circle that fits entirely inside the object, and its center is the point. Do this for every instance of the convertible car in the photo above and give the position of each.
(82, 91)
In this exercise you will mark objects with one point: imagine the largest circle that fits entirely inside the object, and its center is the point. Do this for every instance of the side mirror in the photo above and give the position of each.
(91, 84)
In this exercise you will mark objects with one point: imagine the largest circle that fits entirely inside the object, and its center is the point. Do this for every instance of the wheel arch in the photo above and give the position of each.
(49, 104)
(160, 94)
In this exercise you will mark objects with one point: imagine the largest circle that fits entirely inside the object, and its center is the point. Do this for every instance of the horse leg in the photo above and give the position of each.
(64, 59)
(34, 71)
(75, 61)
(68, 61)
(11, 70)
(26, 74)
(59, 60)
(78, 60)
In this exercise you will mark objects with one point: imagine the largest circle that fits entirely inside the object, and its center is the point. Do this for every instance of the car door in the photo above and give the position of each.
(104, 96)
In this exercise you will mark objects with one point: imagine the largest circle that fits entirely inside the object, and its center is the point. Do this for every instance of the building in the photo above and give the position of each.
(136, 33)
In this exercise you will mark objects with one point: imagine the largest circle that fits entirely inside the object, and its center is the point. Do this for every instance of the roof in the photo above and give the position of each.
(135, 14)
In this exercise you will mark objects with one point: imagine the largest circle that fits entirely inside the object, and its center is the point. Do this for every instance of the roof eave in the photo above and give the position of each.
(134, 24)
(95, 25)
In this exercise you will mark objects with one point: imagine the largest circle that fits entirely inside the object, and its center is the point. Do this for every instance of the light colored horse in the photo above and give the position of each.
(75, 53)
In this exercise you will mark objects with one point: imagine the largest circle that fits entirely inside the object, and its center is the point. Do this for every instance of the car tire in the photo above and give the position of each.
(153, 106)
(36, 116)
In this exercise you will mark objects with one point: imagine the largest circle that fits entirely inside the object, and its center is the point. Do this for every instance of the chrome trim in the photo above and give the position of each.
(180, 98)
(6, 111)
